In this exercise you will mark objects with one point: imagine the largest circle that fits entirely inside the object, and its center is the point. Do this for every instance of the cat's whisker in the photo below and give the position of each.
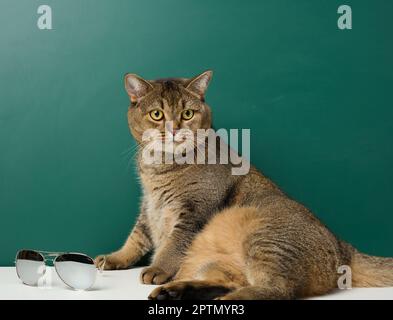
(129, 150)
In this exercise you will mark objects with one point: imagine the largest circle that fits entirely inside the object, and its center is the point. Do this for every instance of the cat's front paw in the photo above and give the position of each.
(113, 261)
(154, 275)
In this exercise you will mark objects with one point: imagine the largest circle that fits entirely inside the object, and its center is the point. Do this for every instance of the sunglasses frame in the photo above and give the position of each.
(46, 255)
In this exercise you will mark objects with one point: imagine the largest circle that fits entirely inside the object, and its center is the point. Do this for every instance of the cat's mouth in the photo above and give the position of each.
(178, 144)
(163, 144)
(175, 139)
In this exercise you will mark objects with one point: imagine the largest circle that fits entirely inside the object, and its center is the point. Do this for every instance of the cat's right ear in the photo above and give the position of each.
(136, 87)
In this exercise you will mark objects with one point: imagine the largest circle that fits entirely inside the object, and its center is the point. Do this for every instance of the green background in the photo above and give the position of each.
(318, 101)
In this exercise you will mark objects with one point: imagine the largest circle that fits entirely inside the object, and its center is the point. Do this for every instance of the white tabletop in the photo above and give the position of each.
(124, 284)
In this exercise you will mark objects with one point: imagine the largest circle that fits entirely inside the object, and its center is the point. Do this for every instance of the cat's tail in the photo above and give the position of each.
(371, 271)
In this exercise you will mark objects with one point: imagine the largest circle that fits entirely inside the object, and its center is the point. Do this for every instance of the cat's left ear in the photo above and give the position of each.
(136, 87)
(200, 83)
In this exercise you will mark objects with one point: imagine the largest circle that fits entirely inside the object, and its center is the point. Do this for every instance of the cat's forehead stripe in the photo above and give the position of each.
(170, 92)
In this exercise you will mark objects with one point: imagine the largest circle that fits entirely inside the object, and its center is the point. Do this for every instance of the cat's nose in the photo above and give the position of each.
(171, 127)
(174, 131)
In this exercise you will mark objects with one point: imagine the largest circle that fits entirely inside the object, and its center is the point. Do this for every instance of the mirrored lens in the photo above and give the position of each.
(30, 267)
(76, 270)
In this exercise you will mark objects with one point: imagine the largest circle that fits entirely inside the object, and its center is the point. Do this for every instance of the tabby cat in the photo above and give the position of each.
(216, 235)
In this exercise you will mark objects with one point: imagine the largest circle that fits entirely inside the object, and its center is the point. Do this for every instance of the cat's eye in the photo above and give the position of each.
(156, 115)
(187, 114)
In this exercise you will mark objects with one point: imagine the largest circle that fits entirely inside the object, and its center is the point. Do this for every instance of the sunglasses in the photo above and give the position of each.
(76, 270)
